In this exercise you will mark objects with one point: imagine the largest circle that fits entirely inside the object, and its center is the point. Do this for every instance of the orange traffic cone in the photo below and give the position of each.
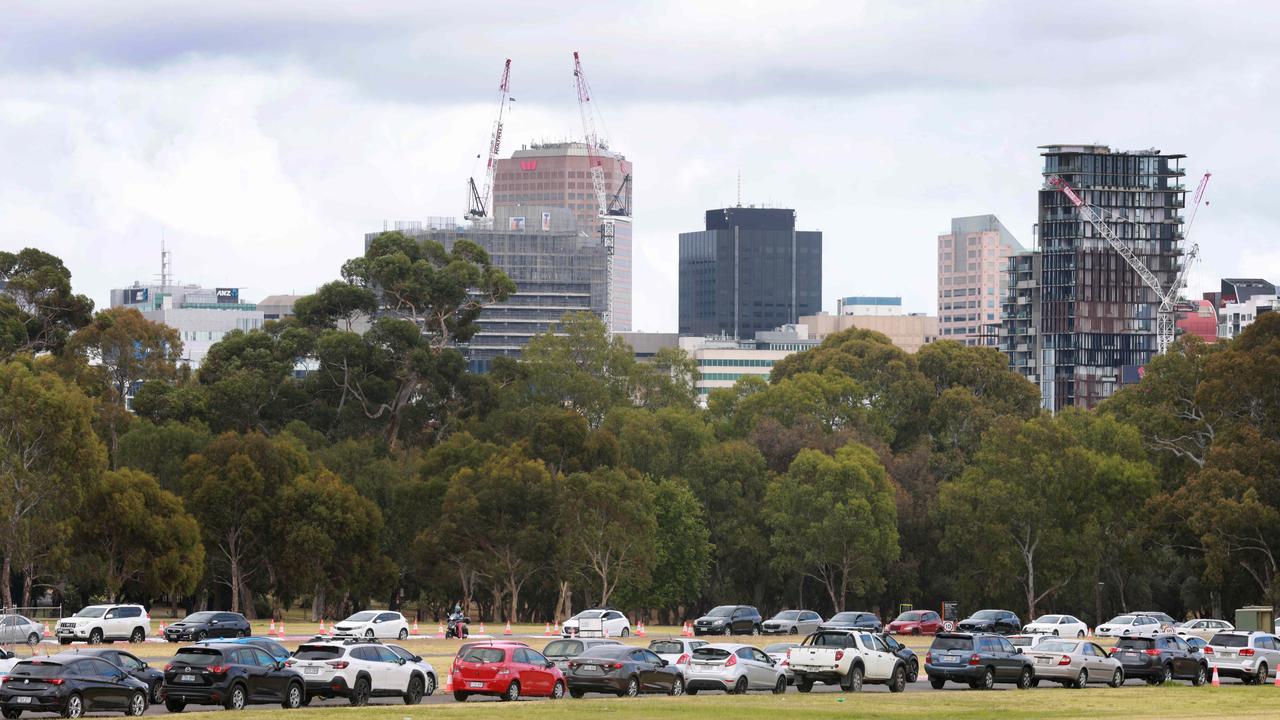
(415, 626)
(321, 626)
(604, 630)
(448, 682)
(556, 630)
(640, 630)
(280, 632)
(162, 627)
(270, 631)
(482, 630)
(1278, 678)
(1216, 682)
(440, 631)
(507, 631)
(45, 630)
(547, 632)
(688, 629)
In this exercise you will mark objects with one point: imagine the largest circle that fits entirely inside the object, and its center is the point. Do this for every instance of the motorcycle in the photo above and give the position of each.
(457, 626)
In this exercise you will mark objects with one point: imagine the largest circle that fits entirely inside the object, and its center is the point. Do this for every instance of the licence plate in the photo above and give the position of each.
(186, 678)
(1227, 654)
(475, 684)
(311, 671)
(24, 699)
(950, 658)
(1042, 661)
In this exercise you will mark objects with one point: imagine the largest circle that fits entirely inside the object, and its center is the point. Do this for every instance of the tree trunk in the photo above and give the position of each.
(514, 588)
(28, 580)
(317, 603)
(235, 581)
(6, 575)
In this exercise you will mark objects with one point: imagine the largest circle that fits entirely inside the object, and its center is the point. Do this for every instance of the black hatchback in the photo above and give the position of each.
(1001, 622)
(623, 670)
(229, 675)
(137, 669)
(71, 684)
(208, 624)
(729, 620)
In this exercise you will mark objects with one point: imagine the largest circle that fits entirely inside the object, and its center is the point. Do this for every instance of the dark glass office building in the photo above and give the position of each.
(750, 271)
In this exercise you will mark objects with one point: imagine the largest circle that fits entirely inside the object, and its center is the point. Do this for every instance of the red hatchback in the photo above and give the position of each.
(507, 670)
(916, 622)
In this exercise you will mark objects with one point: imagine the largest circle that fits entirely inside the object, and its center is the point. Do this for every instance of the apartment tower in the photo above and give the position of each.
(972, 278)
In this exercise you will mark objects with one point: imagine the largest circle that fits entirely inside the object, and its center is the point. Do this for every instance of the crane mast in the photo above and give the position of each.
(595, 163)
(479, 201)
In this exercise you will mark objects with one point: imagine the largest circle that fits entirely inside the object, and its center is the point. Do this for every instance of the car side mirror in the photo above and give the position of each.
(1194, 649)
(550, 664)
(663, 663)
(417, 658)
(213, 622)
(280, 665)
(1017, 651)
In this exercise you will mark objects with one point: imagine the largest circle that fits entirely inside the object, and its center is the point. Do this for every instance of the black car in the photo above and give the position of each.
(208, 624)
(561, 652)
(1160, 659)
(853, 620)
(230, 675)
(623, 670)
(729, 620)
(1000, 622)
(907, 654)
(137, 669)
(979, 659)
(71, 684)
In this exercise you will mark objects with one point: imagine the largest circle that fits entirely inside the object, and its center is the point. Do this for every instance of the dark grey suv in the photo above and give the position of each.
(729, 620)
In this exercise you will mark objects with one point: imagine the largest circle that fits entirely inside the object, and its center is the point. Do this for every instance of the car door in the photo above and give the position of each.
(1007, 658)
(254, 674)
(109, 691)
(538, 669)
(275, 679)
(398, 671)
(878, 657)
(132, 665)
(1176, 649)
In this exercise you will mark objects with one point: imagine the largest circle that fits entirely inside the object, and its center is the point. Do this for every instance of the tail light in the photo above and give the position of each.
(839, 655)
(1064, 660)
(613, 666)
(1208, 649)
(338, 664)
(733, 660)
(928, 657)
(219, 669)
(683, 659)
(573, 665)
(1152, 652)
(504, 671)
(168, 667)
(55, 681)
(974, 659)
(1246, 652)
(290, 662)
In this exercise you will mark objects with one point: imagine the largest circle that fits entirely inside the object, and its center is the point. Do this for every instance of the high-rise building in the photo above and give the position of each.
(869, 305)
(556, 269)
(749, 271)
(559, 175)
(202, 316)
(1078, 319)
(972, 278)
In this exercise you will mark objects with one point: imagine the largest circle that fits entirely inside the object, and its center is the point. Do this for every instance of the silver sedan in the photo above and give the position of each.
(793, 622)
(1075, 663)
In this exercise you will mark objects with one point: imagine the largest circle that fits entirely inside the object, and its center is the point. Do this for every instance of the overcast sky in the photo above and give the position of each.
(261, 140)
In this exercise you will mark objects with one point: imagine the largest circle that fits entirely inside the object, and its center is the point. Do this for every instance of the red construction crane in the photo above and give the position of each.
(478, 201)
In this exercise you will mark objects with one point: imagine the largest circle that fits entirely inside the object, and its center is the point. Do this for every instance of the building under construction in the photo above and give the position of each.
(1078, 317)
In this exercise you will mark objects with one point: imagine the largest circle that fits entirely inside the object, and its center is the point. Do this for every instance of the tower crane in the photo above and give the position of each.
(609, 210)
(478, 201)
(1166, 314)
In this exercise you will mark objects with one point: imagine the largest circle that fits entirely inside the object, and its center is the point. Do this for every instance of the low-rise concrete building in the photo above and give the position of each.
(909, 332)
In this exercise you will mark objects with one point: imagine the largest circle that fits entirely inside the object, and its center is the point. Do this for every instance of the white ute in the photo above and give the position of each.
(847, 659)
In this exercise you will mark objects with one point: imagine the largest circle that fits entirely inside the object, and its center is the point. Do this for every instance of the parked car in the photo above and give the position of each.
(676, 651)
(19, 629)
(853, 620)
(848, 659)
(1249, 656)
(916, 622)
(1195, 642)
(1160, 659)
(622, 670)
(1026, 642)
(907, 654)
(7, 661)
(71, 684)
(598, 622)
(1128, 626)
(979, 659)
(729, 620)
(1203, 628)
(201, 625)
(1074, 663)
(233, 676)
(358, 669)
(137, 669)
(561, 652)
(733, 669)
(430, 681)
(778, 653)
(1000, 622)
(507, 670)
(273, 648)
(1061, 625)
(96, 623)
(792, 622)
(381, 624)
(1167, 623)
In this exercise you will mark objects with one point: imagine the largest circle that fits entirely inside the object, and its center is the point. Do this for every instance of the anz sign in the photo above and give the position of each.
(227, 295)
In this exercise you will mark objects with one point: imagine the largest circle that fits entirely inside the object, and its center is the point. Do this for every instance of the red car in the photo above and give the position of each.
(916, 622)
(507, 670)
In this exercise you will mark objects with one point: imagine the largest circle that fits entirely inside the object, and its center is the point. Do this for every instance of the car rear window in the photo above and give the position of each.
(1021, 641)
(483, 655)
(317, 652)
(666, 647)
(1056, 646)
(563, 648)
(198, 657)
(837, 640)
(1136, 643)
(607, 650)
(36, 669)
(952, 643)
(1227, 640)
(710, 653)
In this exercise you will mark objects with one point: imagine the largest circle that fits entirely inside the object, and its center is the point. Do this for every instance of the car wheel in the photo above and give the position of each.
(915, 631)
(1261, 677)
(157, 692)
(95, 636)
(1168, 674)
(11, 714)
(740, 687)
(1024, 680)
(360, 694)
(236, 700)
(1201, 676)
(74, 707)
(727, 630)
(137, 704)
(690, 691)
(174, 706)
(64, 641)
(293, 697)
(677, 687)
(853, 681)
(460, 696)
(1055, 633)
(795, 631)
(557, 691)
(200, 635)
(413, 695)
(988, 680)
(937, 683)
(1035, 682)
(242, 633)
(576, 694)
(369, 633)
(899, 681)
(804, 686)
(755, 629)
(429, 685)
(1117, 678)
(626, 632)
(914, 673)
(633, 688)
(33, 639)
(780, 687)
(513, 692)
(1080, 634)
(404, 634)
(137, 636)
(1082, 680)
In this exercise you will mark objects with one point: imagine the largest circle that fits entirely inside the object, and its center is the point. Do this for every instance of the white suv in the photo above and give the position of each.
(105, 622)
(381, 624)
(358, 670)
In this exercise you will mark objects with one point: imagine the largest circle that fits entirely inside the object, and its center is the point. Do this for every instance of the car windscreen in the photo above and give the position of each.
(317, 652)
(1056, 646)
(666, 647)
(200, 617)
(589, 615)
(986, 615)
(952, 643)
(198, 657)
(1136, 643)
(563, 648)
(710, 653)
(836, 640)
(722, 611)
(778, 648)
(36, 669)
(483, 655)
(1049, 619)
(607, 651)
(912, 616)
(1229, 640)
(1121, 620)
(1021, 640)
(787, 615)
(361, 617)
(844, 617)
(92, 611)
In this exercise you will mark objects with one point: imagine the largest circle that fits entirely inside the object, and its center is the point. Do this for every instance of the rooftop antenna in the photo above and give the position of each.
(739, 188)
(166, 265)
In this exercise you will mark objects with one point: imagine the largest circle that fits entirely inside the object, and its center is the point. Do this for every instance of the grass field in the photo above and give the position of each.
(1128, 702)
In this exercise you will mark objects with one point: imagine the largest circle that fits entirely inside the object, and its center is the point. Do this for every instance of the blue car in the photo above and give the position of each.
(271, 647)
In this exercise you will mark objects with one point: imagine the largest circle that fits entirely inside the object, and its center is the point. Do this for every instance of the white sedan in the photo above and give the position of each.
(381, 624)
(597, 623)
(1061, 625)
(1128, 626)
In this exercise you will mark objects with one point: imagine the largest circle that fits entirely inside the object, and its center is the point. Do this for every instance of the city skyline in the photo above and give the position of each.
(261, 144)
